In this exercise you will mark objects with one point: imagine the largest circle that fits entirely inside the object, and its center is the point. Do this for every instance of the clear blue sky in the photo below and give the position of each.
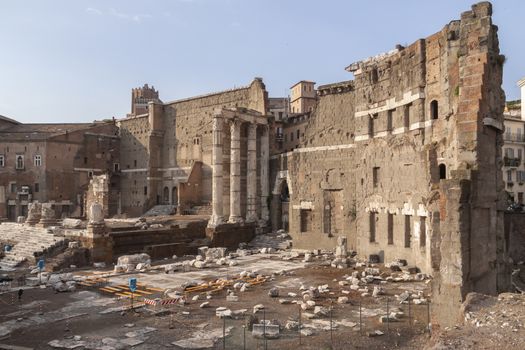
(64, 60)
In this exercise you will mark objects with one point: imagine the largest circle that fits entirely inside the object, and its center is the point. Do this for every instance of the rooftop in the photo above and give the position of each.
(302, 81)
(42, 131)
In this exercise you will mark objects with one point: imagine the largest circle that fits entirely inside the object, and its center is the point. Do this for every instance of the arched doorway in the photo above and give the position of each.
(284, 204)
(174, 196)
(166, 195)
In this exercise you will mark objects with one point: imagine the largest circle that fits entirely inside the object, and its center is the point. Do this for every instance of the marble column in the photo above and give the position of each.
(264, 166)
(217, 193)
(235, 172)
(251, 175)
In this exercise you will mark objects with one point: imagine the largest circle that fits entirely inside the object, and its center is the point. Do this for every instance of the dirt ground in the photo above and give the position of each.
(43, 316)
(92, 319)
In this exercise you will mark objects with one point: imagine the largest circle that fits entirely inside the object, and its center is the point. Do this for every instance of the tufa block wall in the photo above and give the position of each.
(405, 162)
(167, 143)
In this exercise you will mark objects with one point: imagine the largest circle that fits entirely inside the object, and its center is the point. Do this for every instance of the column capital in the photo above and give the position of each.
(235, 124)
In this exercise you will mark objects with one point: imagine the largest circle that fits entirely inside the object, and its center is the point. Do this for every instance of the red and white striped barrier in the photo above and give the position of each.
(156, 302)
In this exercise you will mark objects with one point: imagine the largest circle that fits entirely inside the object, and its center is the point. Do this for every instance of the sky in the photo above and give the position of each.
(77, 61)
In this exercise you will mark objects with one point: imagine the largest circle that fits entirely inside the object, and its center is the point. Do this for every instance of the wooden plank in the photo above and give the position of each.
(85, 284)
(142, 292)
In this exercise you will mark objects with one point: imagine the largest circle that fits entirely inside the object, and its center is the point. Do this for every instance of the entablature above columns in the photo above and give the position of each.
(242, 114)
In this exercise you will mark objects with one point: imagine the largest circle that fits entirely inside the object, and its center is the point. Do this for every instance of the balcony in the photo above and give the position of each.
(511, 162)
(513, 137)
(279, 137)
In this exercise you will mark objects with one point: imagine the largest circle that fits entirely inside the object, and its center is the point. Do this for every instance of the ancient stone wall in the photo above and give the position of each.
(405, 161)
(515, 236)
(134, 163)
(167, 151)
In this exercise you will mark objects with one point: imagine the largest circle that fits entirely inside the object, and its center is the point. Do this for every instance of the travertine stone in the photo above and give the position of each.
(96, 214)
(251, 177)
(48, 215)
(34, 213)
(265, 187)
(217, 191)
(235, 172)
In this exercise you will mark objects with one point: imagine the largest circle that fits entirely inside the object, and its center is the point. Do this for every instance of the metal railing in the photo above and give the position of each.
(514, 162)
(509, 136)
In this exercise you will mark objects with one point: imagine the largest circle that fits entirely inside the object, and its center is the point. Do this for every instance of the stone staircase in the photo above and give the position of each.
(161, 210)
(27, 241)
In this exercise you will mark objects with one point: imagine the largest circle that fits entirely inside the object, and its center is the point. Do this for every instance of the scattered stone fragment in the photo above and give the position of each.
(274, 292)
(377, 291)
(342, 300)
(258, 308)
(292, 325)
(307, 332)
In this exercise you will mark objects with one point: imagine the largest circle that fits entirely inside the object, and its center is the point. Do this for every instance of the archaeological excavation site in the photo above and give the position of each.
(369, 213)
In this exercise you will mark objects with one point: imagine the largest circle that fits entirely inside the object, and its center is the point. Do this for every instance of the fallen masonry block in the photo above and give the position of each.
(265, 330)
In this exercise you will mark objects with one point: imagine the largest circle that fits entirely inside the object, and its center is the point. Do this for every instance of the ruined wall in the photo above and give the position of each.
(515, 236)
(134, 152)
(62, 176)
(405, 161)
(72, 159)
(166, 152)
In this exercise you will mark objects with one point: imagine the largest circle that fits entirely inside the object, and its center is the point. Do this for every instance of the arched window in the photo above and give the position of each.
(20, 162)
(374, 76)
(442, 171)
(434, 109)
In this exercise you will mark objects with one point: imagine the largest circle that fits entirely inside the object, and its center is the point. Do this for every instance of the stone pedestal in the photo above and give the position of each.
(48, 216)
(341, 250)
(99, 243)
(34, 213)
(96, 214)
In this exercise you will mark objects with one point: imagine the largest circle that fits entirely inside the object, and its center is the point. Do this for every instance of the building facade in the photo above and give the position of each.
(513, 150)
(303, 97)
(53, 163)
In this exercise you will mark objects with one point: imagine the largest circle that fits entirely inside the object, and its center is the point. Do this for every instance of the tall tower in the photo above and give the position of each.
(140, 97)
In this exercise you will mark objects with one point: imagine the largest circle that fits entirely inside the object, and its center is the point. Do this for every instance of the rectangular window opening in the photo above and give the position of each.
(389, 123)
(372, 227)
(390, 228)
(407, 231)
(375, 176)
(422, 231)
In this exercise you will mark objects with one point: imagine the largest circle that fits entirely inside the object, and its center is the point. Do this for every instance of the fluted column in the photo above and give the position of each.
(235, 172)
(217, 192)
(251, 175)
(265, 163)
